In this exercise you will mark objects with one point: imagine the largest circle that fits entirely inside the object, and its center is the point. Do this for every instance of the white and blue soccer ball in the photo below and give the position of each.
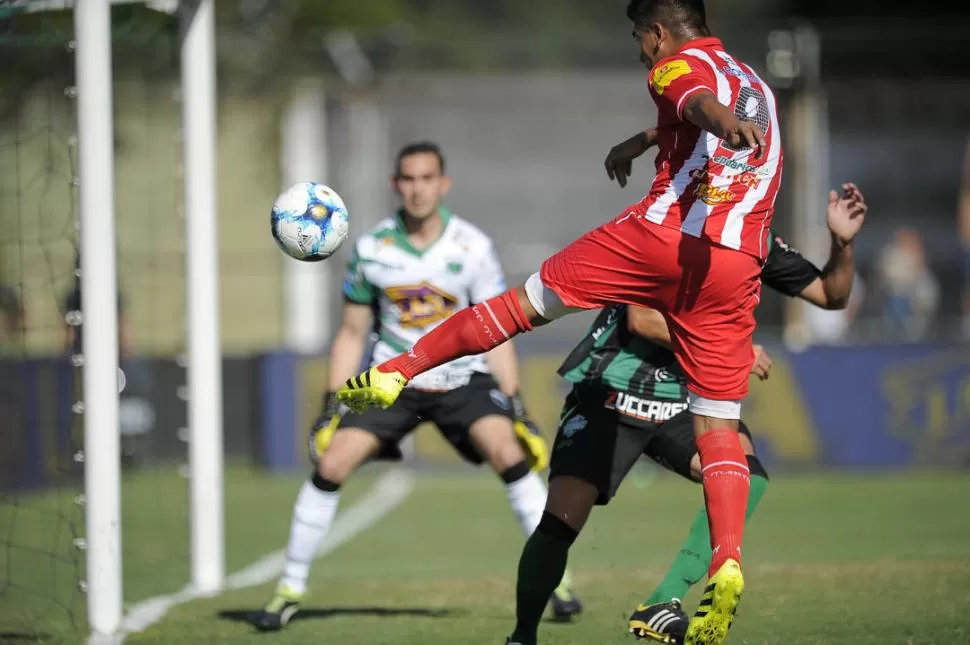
(309, 221)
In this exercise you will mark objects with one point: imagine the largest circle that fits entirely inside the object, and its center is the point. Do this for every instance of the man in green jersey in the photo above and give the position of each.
(628, 399)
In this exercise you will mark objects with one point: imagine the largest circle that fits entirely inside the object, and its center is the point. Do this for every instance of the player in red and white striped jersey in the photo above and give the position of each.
(692, 249)
(702, 187)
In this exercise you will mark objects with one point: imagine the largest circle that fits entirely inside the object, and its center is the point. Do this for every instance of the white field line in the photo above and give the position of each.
(388, 492)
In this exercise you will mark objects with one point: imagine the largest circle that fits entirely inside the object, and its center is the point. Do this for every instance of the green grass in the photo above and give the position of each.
(829, 559)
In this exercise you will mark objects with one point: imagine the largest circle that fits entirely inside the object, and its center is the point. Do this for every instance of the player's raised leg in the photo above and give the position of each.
(470, 331)
(606, 265)
(313, 515)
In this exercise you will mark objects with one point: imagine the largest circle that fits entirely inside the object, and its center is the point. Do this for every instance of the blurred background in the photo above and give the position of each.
(526, 99)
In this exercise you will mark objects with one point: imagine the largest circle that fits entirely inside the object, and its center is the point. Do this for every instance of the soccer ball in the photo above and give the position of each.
(309, 221)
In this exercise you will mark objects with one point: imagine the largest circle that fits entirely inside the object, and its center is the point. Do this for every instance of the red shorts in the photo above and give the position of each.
(707, 293)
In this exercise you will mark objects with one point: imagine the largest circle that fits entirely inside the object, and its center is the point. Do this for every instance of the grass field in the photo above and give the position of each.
(829, 559)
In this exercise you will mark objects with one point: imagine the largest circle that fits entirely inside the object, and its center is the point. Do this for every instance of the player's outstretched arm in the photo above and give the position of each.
(846, 214)
(703, 110)
(619, 161)
(347, 349)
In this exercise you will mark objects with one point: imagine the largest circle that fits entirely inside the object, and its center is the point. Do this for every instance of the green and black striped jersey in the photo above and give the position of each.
(611, 356)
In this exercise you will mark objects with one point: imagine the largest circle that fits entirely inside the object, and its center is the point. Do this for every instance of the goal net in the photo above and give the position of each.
(41, 517)
(58, 514)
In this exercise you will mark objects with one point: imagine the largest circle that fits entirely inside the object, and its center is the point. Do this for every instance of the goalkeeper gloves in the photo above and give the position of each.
(529, 437)
(325, 426)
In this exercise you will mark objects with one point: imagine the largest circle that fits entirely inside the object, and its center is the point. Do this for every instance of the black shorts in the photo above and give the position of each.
(453, 412)
(599, 444)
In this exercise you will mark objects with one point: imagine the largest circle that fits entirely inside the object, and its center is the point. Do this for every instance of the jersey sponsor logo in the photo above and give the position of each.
(612, 315)
(728, 162)
(711, 195)
(667, 73)
(643, 409)
(455, 267)
(720, 195)
(573, 426)
(749, 179)
(661, 375)
(422, 304)
(733, 70)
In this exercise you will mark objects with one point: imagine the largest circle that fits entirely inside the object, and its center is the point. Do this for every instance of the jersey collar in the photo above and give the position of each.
(706, 42)
(400, 233)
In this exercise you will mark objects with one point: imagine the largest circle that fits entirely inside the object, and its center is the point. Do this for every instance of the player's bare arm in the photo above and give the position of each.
(503, 361)
(347, 349)
(648, 323)
(703, 110)
(619, 161)
(846, 214)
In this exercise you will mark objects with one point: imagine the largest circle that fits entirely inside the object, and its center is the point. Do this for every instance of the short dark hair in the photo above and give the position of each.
(679, 16)
(417, 148)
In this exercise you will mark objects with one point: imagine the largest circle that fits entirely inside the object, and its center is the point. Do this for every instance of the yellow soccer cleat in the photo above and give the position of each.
(372, 388)
(715, 613)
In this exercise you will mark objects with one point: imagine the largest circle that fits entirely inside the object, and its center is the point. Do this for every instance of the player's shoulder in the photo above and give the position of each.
(466, 234)
(692, 62)
(376, 235)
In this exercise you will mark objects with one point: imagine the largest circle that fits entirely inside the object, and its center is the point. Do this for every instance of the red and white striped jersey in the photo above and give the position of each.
(704, 187)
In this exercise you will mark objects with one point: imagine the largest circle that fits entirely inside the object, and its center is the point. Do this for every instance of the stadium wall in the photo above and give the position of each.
(845, 408)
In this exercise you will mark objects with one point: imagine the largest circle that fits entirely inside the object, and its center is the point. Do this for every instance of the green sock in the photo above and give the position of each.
(541, 568)
(690, 565)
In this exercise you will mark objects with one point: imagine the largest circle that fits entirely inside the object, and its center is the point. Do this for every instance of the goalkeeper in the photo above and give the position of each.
(405, 276)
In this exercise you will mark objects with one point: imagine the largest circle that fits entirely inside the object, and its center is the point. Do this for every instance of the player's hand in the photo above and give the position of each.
(325, 426)
(530, 438)
(747, 134)
(762, 363)
(846, 213)
(619, 162)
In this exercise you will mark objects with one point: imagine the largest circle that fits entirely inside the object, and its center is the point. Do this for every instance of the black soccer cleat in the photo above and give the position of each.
(565, 604)
(278, 611)
(662, 622)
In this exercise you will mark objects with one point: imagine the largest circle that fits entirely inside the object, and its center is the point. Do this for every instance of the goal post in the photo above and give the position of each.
(99, 283)
(198, 65)
(99, 280)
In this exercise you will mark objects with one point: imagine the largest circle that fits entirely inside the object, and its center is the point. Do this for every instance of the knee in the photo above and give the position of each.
(571, 499)
(333, 467)
(540, 303)
(507, 456)
(554, 527)
(494, 439)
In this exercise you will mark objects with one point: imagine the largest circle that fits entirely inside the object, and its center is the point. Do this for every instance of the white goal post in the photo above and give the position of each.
(99, 283)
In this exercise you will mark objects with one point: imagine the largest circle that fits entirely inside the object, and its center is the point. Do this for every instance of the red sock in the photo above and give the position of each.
(473, 330)
(726, 480)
